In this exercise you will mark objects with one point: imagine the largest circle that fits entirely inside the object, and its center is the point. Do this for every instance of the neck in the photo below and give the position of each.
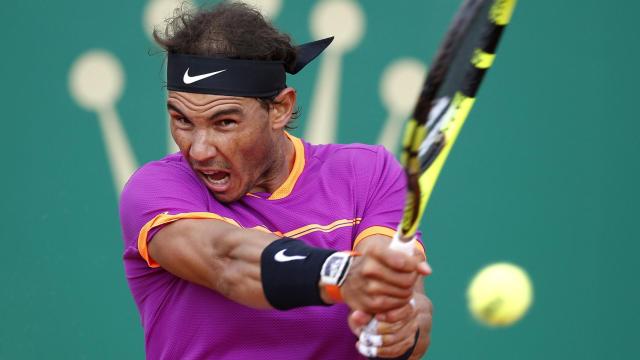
(276, 174)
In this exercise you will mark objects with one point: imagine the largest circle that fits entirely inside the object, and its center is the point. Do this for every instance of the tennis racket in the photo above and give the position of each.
(448, 94)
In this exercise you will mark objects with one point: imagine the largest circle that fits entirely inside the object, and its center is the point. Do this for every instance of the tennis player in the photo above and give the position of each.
(251, 243)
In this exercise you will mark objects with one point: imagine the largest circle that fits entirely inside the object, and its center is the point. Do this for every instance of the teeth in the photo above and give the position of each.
(222, 181)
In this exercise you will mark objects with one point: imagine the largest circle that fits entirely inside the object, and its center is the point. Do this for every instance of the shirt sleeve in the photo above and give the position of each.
(385, 197)
(158, 193)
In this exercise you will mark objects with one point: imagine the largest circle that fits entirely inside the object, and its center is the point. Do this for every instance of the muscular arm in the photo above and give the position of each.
(214, 254)
(226, 258)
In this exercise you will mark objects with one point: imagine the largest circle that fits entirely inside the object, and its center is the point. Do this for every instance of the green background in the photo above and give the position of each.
(543, 175)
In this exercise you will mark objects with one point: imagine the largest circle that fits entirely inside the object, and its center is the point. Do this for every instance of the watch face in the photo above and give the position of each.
(333, 266)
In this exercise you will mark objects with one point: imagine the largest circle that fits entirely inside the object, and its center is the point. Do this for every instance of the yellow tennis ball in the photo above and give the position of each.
(500, 294)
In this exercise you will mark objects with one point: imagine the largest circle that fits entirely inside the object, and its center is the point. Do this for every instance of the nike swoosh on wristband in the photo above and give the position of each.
(191, 79)
(281, 257)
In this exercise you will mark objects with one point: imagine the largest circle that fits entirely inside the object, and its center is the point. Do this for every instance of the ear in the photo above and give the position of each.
(282, 109)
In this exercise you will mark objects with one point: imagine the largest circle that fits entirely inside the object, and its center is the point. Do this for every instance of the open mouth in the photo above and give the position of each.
(218, 181)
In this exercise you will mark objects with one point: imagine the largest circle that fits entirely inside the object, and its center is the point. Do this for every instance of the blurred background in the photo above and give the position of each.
(544, 175)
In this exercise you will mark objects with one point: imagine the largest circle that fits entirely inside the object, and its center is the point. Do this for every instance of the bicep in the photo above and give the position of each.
(216, 255)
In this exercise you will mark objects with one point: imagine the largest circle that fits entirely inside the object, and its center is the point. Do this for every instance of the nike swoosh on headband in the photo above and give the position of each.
(191, 79)
(281, 257)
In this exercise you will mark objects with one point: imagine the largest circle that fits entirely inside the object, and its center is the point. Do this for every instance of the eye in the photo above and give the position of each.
(181, 121)
(227, 123)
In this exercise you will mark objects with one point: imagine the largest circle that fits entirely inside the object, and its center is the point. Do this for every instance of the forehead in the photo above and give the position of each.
(203, 102)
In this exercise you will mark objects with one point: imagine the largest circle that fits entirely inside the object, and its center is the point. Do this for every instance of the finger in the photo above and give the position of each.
(408, 331)
(382, 303)
(373, 268)
(401, 328)
(358, 320)
(397, 260)
(377, 287)
(385, 328)
(395, 350)
(378, 334)
(394, 259)
(424, 268)
(398, 314)
(358, 299)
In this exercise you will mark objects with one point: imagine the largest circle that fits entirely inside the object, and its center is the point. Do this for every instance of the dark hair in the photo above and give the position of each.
(232, 30)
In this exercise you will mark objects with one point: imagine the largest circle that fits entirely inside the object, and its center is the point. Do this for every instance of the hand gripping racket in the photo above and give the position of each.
(449, 91)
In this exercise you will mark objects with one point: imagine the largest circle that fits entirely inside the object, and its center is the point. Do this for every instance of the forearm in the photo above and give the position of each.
(216, 255)
(246, 266)
(250, 268)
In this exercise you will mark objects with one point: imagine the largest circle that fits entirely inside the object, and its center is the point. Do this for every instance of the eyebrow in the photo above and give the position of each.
(175, 108)
(232, 111)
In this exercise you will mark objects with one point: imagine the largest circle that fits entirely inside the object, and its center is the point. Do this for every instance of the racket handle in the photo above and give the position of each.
(398, 244)
(369, 338)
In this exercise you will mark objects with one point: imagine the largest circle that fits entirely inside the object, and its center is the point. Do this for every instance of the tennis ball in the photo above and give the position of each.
(499, 294)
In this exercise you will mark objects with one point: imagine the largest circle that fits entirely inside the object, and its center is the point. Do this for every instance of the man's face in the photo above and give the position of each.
(228, 141)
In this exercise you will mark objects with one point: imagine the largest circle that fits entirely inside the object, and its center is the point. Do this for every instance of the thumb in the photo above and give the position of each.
(358, 320)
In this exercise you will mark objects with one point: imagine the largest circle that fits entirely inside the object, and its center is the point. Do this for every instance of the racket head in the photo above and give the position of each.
(449, 91)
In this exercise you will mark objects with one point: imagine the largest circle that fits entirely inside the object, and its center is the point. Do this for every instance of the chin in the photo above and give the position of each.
(225, 197)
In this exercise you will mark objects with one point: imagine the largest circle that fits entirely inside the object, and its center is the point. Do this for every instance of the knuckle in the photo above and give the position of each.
(392, 329)
(398, 315)
(389, 340)
(411, 328)
(405, 293)
(407, 280)
(393, 317)
(412, 278)
(370, 304)
(401, 347)
(372, 287)
(397, 326)
(429, 305)
(405, 345)
(368, 269)
(394, 351)
(379, 303)
(406, 313)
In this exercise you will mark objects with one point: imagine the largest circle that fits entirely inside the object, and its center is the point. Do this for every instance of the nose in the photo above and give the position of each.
(203, 147)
